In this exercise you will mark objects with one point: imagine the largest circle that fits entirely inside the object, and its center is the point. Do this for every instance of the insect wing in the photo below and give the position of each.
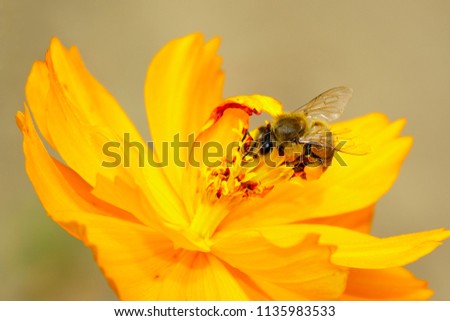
(319, 136)
(327, 106)
(351, 145)
(341, 141)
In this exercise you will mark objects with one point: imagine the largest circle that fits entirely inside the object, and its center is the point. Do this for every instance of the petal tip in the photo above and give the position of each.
(214, 42)
(55, 42)
(193, 39)
(20, 120)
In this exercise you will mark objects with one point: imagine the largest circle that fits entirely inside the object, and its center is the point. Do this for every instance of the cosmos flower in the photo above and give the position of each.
(210, 233)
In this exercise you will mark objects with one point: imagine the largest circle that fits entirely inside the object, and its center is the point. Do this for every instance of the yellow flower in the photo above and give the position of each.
(210, 233)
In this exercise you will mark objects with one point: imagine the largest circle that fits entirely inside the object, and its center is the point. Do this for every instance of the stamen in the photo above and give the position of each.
(238, 179)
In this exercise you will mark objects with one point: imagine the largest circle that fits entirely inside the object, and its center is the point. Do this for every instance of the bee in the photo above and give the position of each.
(303, 137)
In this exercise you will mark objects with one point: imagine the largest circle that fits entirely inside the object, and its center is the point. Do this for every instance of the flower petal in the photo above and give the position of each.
(359, 220)
(141, 264)
(90, 94)
(183, 85)
(360, 250)
(229, 121)
(288, 264)
(59, 188)
(224, 135)
(37, 89)
(386, 284)
(252, 104)
(206, 278)
(249, 286)
(79, 117)
(228, 128)
(63, 90)
(50, 178)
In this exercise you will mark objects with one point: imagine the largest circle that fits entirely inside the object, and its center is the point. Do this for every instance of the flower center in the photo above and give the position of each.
(220, 187)
(240, 178)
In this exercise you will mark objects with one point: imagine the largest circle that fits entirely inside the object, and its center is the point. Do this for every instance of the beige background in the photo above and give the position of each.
(395, 54)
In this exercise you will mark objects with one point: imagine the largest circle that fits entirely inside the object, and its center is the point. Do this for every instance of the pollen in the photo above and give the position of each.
(236, 179)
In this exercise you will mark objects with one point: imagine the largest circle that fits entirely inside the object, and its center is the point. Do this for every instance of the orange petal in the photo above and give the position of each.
(183, 85)
(143, 265)
(62, 95)
(61, 191)
(284, 265)
(97, 103)
(80, 117)
(253, 104)
(229, 121)
(227, 128)
(59, 188)
(36, 90)
(205, 278)
(224, 135)
(252, 289)
(360, 250)
(386, 284)
(38, 158)
(359, 220)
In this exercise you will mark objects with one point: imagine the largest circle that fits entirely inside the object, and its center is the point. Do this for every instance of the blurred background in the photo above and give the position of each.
(395, 56)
